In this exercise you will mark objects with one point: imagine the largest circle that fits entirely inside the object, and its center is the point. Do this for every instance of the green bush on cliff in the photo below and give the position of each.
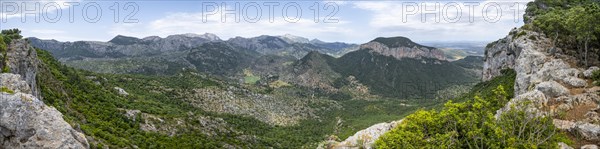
(3, 50)
(596, 77)
(11, 34)
(572, 24)
(5, 89)
(471, 124)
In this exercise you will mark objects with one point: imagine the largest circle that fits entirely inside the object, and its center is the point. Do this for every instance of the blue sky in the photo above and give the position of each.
(346, 21)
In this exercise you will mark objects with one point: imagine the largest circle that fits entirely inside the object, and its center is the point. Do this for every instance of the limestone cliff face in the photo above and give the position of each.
(22, 60)
(25, 121)
(400, 47)
(547, 78)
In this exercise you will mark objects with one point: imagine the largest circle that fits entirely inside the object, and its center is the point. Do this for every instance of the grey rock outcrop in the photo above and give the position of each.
(552, 89)
(366, 138)
(588, 73)
(22, 60)
(121, 91)
(562, 145)
(26, 122)
(14, 83)
(548, 79)
(499, 55)
(588, 131)
(404, 51)
(590, 146)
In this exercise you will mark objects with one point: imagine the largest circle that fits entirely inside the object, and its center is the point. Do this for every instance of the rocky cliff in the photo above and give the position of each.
(25, 121)
(552, 81)
(22, 60)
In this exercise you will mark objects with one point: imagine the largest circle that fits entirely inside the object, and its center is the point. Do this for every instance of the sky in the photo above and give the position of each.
(344, 21)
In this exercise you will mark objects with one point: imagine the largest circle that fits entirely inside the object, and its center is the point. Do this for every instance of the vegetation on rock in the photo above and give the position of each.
(596, 77)
(471, 124)
(573, 24)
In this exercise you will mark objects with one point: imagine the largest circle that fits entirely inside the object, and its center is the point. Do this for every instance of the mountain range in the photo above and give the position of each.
(391, 67)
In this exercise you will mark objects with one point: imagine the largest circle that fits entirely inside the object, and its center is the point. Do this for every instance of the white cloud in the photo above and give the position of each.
(180, 23)
(47, 31)
(389, 19)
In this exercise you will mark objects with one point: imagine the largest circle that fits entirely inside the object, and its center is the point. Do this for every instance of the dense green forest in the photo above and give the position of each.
(406, 78)
(472, 123)
(572, 24)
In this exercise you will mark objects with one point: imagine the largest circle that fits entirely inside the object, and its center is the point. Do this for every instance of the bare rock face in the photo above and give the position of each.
(498, 55)
(14, 83)
(548, 79)
(552, 89)
(22, 60)
(26, 122)
(588, 131)
(121, 91)
(590, 146)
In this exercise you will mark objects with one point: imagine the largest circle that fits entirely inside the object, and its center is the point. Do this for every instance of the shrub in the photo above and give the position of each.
(11, 34)
(5, 89)
(472, 123)
(596, 77)
(522, 33)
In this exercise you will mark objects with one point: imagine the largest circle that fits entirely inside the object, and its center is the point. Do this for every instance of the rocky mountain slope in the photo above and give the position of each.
(388, 67)
(551, 81)
(555, 80)
(156, 55)
(26, 122)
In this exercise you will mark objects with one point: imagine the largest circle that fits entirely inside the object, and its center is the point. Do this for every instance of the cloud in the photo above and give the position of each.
(47, 31)
(453, 19)
(180, 23)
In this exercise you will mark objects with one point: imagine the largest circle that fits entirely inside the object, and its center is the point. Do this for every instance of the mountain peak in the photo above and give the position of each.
(399, 41)
(294, 39)
(402, 47)
(208, 36)
(124, 40)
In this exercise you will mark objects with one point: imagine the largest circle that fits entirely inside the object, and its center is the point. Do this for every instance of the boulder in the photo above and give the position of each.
(562, 145)
(589, 146)
(588, 131)
(121, 91)
(552, 89)
(26, 122)
(13, 83)
(366, 138)
(575, 82)
(588, 73)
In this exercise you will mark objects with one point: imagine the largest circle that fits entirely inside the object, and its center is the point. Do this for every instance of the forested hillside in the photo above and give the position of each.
(155, 111)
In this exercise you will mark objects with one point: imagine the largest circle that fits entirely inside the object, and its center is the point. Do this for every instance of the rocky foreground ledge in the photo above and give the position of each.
(26, 122)
(552, 81)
